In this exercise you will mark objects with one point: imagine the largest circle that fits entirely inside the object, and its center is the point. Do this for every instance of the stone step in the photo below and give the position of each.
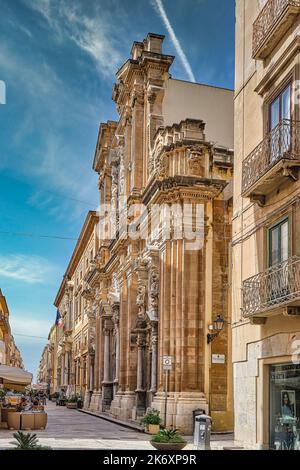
(127, 424)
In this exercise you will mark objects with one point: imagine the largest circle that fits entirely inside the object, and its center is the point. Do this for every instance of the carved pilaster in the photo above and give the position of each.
(153, 294)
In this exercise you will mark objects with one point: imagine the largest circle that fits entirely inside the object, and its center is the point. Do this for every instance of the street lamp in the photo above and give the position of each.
(215, 328)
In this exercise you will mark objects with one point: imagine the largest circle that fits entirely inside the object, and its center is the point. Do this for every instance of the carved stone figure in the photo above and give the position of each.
(92, 339)
(141, 300)
(196, 161)
(154, 290)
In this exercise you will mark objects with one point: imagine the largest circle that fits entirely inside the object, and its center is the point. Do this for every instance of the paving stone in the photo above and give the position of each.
(70, 429)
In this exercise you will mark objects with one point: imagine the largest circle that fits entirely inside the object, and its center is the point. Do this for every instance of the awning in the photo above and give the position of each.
(15, 375)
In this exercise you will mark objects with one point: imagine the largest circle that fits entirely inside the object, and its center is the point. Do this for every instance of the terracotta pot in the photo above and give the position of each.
(173, 446)
(153, 428)
(71, 406)
(40, 420)
(13, 421)
(27, 421)
(5, 412)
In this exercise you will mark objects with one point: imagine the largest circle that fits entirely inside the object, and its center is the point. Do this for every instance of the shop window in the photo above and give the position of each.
(285, 407)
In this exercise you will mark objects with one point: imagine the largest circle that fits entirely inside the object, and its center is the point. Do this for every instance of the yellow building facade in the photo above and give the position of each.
(9, 353)
(74, 342)
(266, 233)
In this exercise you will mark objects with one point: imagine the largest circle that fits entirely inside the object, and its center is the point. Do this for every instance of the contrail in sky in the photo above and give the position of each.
(162, 13)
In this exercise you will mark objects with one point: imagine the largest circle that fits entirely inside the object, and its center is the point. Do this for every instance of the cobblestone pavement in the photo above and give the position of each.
(70, 429)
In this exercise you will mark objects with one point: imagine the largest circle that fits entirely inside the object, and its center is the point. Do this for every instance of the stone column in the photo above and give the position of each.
(116, 316)
(137, 136)
(66, 368)
(95, 402)
(117, 355)
(62, 370)
(139, 382)
(153, 300)
(140, 389)
(106, 376)
(107, 386)
(92, 371)
(154, 362)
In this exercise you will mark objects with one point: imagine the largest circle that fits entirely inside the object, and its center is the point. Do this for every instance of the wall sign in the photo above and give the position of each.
(218, 359)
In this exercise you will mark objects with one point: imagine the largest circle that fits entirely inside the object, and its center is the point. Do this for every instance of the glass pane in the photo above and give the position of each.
(275, 136)
(284, 241)
(284, 406)
(275, 251)
(286, 104)
(286, 115)
(275, 113)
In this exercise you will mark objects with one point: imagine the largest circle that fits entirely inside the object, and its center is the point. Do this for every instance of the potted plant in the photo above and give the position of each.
(168, 439)
(72, 402)
(152, 421)
(2, 397)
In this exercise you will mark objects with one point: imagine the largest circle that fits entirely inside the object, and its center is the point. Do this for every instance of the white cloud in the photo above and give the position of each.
(95, 34)
(55, 163)
(29, 328)
(159, 7)
(25, 268)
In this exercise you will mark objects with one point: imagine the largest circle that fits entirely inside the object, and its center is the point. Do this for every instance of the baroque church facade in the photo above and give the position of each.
(150, 272)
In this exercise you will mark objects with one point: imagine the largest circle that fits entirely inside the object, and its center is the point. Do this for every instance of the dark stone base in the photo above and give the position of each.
(107, 395)
(141, 402)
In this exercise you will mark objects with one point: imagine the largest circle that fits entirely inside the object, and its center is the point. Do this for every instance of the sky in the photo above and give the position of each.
(58, 60)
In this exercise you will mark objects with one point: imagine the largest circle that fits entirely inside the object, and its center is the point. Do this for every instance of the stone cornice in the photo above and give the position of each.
(280, 65)
(206, 187)
(105, 136)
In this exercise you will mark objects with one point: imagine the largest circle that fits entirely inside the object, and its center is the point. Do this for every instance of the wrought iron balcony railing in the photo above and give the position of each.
(272, 22)
(276, 287)
(282, 143)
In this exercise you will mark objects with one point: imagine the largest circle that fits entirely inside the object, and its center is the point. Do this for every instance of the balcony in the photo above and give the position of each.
(272, 23)
(274, 159)
(278, 286)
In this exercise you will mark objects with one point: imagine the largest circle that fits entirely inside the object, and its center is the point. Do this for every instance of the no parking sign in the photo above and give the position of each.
(167, 362)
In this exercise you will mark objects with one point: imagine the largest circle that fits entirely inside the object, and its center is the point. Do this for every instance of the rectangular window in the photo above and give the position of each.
(280, 108)
(279, 243)
(279, 125)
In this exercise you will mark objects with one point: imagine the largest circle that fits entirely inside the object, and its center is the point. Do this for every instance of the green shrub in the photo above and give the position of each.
(27, 442)
(151, 417)
(72, 399)
(168, 435)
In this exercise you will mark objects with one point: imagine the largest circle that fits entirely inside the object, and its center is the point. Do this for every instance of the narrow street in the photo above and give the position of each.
(71, 429)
